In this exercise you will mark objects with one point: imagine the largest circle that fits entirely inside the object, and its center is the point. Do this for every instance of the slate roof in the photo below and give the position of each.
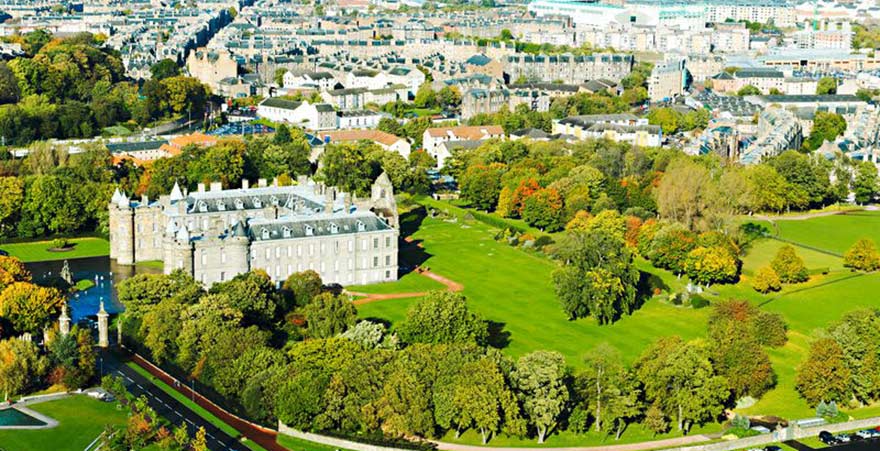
(479, 60)
(318, 225)
(276, 102)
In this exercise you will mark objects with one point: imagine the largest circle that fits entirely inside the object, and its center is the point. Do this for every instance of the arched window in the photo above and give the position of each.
(203, 207)
(239, 204)
(258, 203)
(334, 228)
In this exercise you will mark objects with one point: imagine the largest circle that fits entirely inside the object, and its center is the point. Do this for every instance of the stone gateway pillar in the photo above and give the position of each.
(103, 327)
(64, 321)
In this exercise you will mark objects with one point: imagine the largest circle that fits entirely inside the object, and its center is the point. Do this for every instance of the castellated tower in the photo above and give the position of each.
(178, 249)
(237, 245)
(121, 229)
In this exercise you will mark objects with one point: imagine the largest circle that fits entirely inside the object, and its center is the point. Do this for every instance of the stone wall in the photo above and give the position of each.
(331, 441)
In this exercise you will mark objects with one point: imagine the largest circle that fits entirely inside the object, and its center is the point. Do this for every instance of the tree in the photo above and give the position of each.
(539, 382)
(655, 420)
(329, 315)
(185, 95)
(28, 307)
(598, 276)
(600, 383)
(687, 195)
(483, 399)
(714, 264)
(443, 317)
(827, 126)
(824, 376)
(253, 294)
(20, 366)
(282, 135)
(481, 185)
(826, 85)
(748, 90)
(766, 280)
(789, 266)
(680, 379)
(11, 198)
(302, 287)
(865, 184)
(862, 256)
(667, 118)
(425, 96)
(164, 68)
(200, 443)
(278, 77)
(543, 209)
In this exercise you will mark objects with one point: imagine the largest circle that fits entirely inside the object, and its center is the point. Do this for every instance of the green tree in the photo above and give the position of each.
(865, 183)
(300, 400)
(598, 276)
(687, 194)
(29, 307)
(481, 185)
(443, 317)
(302, 287)
(667, 118)
(20, 365)
(329, 315)
(827, 126)
(680, 379)
(164, 68)
(539, 382)
(11, 198)
(748, 90)
(824, 376)
(789, 266)
(278, 77)
(185, 95)
(483, 399)
(766, 280)
(826, 85)
(714, 264)
(425, 96)
(862, 256)
(601, 381)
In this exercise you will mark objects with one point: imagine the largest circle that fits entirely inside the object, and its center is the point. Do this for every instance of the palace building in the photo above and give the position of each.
(217, 234)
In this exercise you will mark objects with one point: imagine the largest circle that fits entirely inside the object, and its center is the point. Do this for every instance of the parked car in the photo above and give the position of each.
(827, 438)
(868, 433)
(843, 438)
(772, 448)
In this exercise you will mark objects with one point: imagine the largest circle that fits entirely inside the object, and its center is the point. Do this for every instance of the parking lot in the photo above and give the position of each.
(862, 441)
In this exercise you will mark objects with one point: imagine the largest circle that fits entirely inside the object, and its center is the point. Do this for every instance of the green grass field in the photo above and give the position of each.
(513, 289)
(80, 420)
(295, 444)
(37, 251)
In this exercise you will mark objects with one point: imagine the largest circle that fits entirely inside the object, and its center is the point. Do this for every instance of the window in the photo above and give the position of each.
(203, 207)
(140, 228)
(311, 250)
(387, 260)
(334, 228)
(375, 262)
(387, 241)
(361, 226)
(309, 230)
(268, 253)
(239, 204)
(387, 274)
(290, 251)
(375, 243)
(258, 203)
(204, 257)
(351, 246)
(222, 276)
(265, 234)
(286, 232)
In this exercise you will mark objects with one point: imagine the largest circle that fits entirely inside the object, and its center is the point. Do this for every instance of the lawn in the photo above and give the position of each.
(80, 420)
(37, 251)
(295, 444)
(409, 283)
(513, 289)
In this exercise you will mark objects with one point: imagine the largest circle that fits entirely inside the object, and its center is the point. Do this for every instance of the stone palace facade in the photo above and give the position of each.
(217, 234)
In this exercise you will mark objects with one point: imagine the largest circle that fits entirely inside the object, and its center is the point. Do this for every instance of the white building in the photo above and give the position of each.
(433, 137)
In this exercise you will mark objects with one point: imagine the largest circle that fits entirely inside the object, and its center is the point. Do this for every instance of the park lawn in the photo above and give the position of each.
(513, 290)
(633, 434)
(37, 251)
(199, 410)
(80, 420)
(153, 264)
(833, 233)
(295, 444)
(409, 283)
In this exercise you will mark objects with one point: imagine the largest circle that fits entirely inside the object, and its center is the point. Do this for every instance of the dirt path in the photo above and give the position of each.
(667, 443)
(805, 216)
(367, 298)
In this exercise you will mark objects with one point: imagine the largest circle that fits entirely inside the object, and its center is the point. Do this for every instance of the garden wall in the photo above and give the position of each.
(332, 441)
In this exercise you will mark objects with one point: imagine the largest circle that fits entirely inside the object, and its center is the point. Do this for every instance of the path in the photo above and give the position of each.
(805, 216)
(640, 446)
(265, 437)
(366, 298)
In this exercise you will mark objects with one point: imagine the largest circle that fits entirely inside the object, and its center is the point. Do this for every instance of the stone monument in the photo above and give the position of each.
(64, 321)
(103, 327)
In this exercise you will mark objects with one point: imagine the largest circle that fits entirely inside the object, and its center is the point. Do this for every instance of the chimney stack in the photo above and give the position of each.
(201, 187)
(245, 184)
(216, 187)
(261, 183)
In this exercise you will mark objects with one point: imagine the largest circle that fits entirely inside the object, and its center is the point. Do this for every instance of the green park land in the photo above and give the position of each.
(36, 251)
(80, 421)
(513, 289)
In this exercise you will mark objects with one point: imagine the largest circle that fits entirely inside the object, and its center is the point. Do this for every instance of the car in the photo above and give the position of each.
(843, 438)
(4, 253)
(827, 438)
(868, 433)
(772, 448)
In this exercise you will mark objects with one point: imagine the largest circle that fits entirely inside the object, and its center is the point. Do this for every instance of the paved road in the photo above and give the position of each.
(169, 407)
(857, 445)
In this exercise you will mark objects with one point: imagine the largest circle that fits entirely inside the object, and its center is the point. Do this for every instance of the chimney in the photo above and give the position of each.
(145, 200)
(201, 188)
(216, 187)
(302, 179)
(275, 181)
(245, 184)
(347, 203)
(261, 183)
(329, 196)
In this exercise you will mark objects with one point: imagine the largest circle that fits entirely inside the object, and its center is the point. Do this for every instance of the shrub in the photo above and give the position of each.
(60, 243)
(766, 280)
(862, 256)
(698, 302)
(770, 329)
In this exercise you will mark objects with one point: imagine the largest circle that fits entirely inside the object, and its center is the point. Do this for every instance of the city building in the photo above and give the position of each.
(615, 127)
(667, 80)
(434, 137)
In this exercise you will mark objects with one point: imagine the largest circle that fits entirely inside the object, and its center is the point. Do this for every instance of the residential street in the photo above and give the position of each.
(167, 406)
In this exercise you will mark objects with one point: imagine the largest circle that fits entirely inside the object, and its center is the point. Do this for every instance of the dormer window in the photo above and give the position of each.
(239, 204)
(258, 203)
(221, 206)
(274, 201)
(203, 207)
(361, 226)
(310, 230)
(334, 228)
(265, 234)
(286, 232)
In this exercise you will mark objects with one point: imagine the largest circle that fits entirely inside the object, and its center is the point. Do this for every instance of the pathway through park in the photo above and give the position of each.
(640, 446)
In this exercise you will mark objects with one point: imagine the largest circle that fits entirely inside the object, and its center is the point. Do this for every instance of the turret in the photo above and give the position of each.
(177, 249)
(64, 321)
(121, 222)
(237, 248)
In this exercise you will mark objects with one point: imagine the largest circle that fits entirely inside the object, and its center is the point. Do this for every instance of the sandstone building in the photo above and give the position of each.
(216, 234)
